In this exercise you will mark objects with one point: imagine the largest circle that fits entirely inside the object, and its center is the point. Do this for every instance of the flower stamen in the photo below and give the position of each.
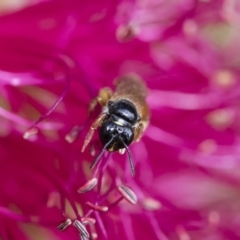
(73, 134)
(81, 228)
(64, 225)
(94, 235)
(151, 204)
(128, 194)
(88, 186)
(97, 207)
(62, 59)
(30, 133)
(88, 220)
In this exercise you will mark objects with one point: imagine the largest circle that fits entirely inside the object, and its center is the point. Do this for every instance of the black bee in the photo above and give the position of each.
(124, 116)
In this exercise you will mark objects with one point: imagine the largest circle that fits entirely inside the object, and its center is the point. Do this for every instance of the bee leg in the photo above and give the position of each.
(97, 123)
(103, 97)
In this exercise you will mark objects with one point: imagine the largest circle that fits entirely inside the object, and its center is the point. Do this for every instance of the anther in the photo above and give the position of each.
(224, 78)
(92, 150)
(73, 134)
(214, 218)
(53, 199)
(83, 237)
(94, 235)
(151, 204)
(30, 132)
(97, 207)
(64, 225)
(88, 186)
(128, 194)
(182, 233)
(126, 33)
(81, 228)
(88, 220)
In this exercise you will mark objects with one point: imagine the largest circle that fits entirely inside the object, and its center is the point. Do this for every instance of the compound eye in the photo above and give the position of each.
(127, 135)
(107, 131)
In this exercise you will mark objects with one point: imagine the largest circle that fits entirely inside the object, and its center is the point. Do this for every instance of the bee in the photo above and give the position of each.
(124, 116)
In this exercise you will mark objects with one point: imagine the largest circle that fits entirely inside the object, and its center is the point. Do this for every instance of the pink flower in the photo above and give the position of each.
(187, 177)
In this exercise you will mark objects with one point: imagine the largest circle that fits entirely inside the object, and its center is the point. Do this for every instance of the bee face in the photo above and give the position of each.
(120, 135)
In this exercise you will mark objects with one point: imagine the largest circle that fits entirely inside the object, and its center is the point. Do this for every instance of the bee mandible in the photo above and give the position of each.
(124, 116)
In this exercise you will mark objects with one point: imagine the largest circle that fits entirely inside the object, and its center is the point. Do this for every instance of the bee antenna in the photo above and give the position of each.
(129, 158)
(96, 160)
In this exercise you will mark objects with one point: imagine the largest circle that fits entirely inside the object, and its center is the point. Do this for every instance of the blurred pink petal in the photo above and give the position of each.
(187, 178)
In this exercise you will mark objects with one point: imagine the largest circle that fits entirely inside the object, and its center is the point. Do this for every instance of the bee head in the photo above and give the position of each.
(121, 135)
